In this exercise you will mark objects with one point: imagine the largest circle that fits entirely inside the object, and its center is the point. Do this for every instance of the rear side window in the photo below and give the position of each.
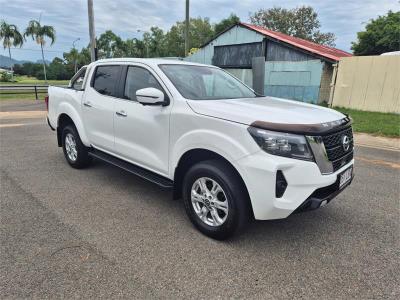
(78, 79)
(106, 79)
(139, 78)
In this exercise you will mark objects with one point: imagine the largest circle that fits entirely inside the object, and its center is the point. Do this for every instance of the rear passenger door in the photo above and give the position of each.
(142, 131)
(98, 106)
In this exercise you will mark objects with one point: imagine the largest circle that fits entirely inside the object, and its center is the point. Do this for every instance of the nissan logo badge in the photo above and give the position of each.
(345, 143)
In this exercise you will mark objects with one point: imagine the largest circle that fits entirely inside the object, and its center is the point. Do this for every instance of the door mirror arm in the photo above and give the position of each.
(166, 101)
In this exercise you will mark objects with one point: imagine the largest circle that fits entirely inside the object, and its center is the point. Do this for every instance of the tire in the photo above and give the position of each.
(234, 194)
(75, 152)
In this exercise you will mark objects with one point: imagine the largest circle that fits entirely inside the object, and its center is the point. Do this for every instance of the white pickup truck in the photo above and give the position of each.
(230, 154)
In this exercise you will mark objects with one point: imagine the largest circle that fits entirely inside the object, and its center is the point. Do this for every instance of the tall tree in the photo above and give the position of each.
(301, 22)
(175, 40)
(135, 48)
(11, 37)
(84, 57)
(153, 43)
(72, 58)
(39, 33)
(59, 70)
(110, 45)
(200, 31)
(81, 58)
(226, 23)
(380, 35)
(157, 42)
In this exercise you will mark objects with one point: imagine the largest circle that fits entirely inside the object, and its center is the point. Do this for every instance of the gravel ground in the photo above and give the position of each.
(104, 233)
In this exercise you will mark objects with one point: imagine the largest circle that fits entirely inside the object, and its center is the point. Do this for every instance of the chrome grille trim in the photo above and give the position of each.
(328, 151)
(320, 156)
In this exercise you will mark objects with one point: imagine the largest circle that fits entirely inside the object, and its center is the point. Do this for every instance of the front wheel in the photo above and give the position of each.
(215, 199)
(75, 151)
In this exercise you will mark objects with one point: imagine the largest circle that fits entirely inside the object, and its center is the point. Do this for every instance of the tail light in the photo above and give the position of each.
(46, 100)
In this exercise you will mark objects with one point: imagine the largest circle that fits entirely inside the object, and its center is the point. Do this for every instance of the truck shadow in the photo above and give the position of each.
(297, 229)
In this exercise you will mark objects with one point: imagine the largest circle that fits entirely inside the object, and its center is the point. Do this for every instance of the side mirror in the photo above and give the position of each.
(150, 96)
(77, 85)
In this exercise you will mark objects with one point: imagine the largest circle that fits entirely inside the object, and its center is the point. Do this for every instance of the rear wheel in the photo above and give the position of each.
(75, 152)
(215, 199)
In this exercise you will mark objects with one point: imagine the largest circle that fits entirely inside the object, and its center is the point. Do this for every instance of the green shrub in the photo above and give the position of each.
(5, 77)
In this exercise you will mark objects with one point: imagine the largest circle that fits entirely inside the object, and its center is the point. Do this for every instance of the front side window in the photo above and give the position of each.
(139, 78)
(105, 80)
(77, 82)
(205, 83)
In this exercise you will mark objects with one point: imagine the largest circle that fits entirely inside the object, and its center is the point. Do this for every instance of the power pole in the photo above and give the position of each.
(187, 29)
(75, 62)
(93, 49)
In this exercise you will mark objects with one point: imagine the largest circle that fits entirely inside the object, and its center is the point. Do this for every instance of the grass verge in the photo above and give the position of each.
(375, 123)
(22, 80)
(22, 96)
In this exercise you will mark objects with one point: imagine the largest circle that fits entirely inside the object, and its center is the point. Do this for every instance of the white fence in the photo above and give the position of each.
(370, 83)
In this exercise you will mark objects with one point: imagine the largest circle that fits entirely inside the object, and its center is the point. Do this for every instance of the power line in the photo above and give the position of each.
(28, 49)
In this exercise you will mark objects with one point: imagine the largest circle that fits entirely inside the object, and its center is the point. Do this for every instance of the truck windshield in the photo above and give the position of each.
(205, 83)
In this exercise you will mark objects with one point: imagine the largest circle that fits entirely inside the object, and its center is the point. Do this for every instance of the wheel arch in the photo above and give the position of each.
(63, 120)
(67, 115)
(194, 156)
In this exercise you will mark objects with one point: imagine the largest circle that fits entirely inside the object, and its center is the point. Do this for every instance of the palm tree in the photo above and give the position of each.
(11, 37)
(72, 57)
(39, 33)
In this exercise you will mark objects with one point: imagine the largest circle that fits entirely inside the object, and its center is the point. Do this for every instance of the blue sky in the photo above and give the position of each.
(126, 17)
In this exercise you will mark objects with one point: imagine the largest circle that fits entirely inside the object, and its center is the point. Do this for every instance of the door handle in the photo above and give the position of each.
(121, 113)
(87, 104)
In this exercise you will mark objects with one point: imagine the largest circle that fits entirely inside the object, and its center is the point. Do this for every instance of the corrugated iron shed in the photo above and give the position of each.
(324, 51)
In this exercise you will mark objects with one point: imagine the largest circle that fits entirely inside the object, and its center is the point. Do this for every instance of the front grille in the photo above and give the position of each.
(337, 164)
(335, 139)
(335, 150)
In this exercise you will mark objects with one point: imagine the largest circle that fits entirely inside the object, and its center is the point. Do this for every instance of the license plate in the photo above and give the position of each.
(345, 177)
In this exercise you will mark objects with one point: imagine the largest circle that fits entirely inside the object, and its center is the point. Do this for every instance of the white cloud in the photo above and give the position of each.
(125, 17)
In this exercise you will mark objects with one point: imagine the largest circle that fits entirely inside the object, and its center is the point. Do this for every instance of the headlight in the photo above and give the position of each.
(282, 144)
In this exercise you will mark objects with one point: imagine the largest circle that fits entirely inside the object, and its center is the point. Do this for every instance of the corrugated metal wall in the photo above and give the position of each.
(236, 56)
(279, 52)
(236, 35)
(293, 80)
(369, 83)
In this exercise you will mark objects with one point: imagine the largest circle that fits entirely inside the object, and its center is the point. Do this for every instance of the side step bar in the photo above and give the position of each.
(134, 169)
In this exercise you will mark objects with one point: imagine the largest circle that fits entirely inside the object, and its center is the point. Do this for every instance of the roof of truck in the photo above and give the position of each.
(147, 61)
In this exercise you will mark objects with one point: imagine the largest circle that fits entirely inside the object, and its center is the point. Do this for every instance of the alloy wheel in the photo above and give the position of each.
(209, 201)
(70, 147)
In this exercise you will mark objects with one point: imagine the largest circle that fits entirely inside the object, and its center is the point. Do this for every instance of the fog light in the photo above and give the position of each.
(281, 184)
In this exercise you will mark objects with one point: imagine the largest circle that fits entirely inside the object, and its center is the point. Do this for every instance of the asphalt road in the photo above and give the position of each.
(104, 233)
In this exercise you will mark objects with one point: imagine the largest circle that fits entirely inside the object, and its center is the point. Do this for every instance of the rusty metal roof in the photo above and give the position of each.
(321, 50)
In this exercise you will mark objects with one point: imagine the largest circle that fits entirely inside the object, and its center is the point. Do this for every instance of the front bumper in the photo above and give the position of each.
(322, 196)
(304, 180)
